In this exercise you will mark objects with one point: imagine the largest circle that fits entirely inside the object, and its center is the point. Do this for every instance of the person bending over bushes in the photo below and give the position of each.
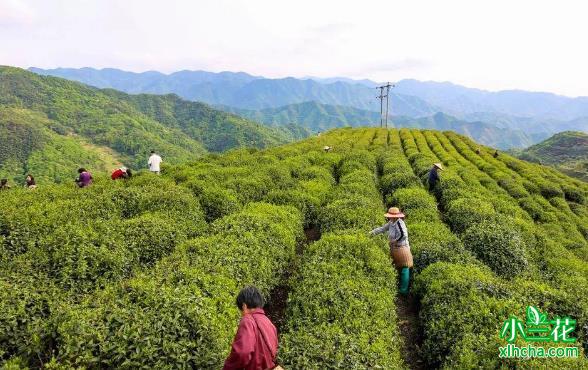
(121, 173)
(4, 184)
(399, 247)
(255, 346)
(84, 179)
(30, 182)
(434, 175)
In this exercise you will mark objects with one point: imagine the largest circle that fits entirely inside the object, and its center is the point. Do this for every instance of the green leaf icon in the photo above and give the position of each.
(533, 315)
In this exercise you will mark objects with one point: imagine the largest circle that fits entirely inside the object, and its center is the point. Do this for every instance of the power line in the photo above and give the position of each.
(383, 118)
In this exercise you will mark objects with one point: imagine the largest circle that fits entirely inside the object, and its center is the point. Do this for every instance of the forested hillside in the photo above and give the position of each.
(94, 128)
(322, 117)
(144, 273)
(28, 145)
(567, 151)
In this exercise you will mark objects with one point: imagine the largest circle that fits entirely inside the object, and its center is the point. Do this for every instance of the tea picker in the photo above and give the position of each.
(399, 247)
(434, 175)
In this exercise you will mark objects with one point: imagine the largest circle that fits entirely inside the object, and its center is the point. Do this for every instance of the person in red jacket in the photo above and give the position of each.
(255, 346)
(121, 173)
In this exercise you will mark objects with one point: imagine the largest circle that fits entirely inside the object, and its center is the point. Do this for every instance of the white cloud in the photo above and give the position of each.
(15, 13)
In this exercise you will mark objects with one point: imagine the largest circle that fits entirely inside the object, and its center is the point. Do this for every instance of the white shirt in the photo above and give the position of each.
(154, 162)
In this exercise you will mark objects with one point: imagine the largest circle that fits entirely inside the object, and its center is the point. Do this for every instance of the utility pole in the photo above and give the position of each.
(381, 97)
(387, 86)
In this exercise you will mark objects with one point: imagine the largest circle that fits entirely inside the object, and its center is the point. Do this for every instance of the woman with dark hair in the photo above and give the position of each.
(84, 179)
(255, 346)
(30, 182)
(4, 184)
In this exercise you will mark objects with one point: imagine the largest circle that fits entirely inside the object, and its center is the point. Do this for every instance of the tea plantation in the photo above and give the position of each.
(143, 273)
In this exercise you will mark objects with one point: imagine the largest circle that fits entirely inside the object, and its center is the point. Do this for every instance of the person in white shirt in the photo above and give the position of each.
(154, 162)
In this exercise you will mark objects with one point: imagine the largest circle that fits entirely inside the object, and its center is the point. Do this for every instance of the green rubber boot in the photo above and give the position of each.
(404, 280)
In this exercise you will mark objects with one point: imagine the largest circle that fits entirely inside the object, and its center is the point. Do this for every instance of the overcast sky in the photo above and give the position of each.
(490, 44)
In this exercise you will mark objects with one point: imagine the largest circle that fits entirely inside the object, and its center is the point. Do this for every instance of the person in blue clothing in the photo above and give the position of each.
(434, 175)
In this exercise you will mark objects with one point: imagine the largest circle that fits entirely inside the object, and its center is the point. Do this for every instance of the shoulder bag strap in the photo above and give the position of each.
(274, 355)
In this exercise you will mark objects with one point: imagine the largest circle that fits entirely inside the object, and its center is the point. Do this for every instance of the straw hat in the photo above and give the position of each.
(438, 165)
(394, 212)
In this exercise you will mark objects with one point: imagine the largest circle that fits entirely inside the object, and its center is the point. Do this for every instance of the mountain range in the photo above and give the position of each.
(318, 117)
(50, 126)
(526, 117)
(241, 90)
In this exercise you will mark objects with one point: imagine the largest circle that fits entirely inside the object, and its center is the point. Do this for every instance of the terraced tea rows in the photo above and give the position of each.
(144, 273)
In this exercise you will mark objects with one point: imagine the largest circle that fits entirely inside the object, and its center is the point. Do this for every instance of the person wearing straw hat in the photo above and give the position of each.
(434, 176)
(399, 246)
(327, 148)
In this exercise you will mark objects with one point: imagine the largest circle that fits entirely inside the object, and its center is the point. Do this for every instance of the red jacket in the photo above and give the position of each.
(250, 350)
(118, 173)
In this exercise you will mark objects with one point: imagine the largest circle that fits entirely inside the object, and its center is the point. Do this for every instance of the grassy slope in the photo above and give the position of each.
(567, 151)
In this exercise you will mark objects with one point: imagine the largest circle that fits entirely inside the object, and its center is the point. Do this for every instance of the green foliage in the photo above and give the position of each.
(50, 127)
(328, 317)
(417, 204)
(353, 212)
(434, 242)
(306, 203)
(127, 274)
(499, 245)
(565, 151)
(457, 299)
(464, 212)
(218, 202)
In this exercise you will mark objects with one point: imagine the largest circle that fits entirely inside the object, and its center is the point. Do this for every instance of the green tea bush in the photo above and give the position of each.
(538, 208)
(307, 203)
(417, 204)
(351, 212)
(151, 236)
(280, 176)
(513, 187)
(314, 173)
(459, 300)
(263, 217)
(549, 190)
(434, 242)
(499, 245)
(146, 323)
(573, 194)
(218, 202)
(81, 256)
(531, 187)
(316, 188)
(394, 181)
(251, 188)
(348, 319)
(27, 302)
(182, 313)
(462, 213)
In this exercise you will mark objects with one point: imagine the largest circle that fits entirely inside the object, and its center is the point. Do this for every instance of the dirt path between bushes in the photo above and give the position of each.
(407, 311)
(278, 299)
